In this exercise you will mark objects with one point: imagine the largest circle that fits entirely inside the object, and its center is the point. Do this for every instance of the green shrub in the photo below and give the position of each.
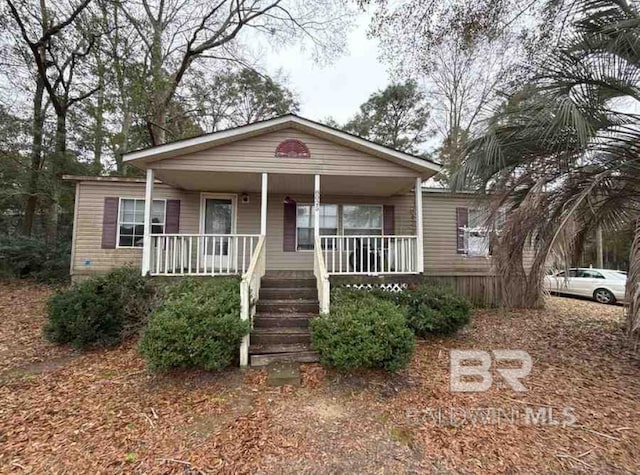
(341, 295)
(429, 309)
(101, 310)
(24, 257)
(433, 309)
(363, 331)
(197, 326)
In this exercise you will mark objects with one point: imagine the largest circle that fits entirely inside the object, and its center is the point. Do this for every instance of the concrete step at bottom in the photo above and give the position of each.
(282, 373)
(295, 357)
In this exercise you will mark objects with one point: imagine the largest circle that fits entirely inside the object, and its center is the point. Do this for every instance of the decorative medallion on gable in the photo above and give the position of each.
(292, 148)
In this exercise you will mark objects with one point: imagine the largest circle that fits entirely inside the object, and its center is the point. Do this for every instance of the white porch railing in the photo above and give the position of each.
(201, 254)
(370, 255)
(322, 278)
(250, 292)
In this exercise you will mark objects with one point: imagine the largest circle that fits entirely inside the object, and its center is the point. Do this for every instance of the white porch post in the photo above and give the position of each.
(148, 202)
(419, 230)
(316, 207)
(263, 204)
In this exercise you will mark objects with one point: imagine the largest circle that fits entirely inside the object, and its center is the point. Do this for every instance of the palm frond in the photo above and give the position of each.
(561, 153)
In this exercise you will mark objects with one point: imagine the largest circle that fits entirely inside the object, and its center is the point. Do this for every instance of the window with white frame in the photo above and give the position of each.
(304, 224)
(131, 221)
(362, 220)
(347, 220)
(477, 234)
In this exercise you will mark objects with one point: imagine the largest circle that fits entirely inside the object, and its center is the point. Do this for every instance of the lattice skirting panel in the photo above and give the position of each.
(387, 286)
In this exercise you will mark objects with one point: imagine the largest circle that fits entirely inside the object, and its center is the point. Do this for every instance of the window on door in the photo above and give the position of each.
(218, 219)
(218, 215)
(304, 224)
(131, 221)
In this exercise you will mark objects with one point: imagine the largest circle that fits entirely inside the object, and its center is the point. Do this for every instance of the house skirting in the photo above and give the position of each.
(483, 290)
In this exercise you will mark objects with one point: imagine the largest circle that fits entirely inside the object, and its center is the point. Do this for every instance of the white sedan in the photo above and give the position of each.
(602, 285)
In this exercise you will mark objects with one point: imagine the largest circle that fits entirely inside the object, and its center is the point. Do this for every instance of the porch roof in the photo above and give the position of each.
(233, 182)
(236, 182)
(145, 157)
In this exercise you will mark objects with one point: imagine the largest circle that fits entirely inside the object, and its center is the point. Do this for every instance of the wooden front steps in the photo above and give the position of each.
(288, 300)
(298, 293)
(273, 320)
(280, 336)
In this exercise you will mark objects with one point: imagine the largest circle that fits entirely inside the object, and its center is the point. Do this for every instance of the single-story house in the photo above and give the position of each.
(292, 206)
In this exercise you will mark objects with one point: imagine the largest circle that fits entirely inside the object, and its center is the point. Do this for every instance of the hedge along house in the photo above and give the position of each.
(288, 204)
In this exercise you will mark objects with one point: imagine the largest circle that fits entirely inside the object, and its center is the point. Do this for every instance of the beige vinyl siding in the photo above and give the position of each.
(90, 211)
(405, 221)
(440, 245)
(88, 223)
(256, 154)
(439, 232)
(439, 222)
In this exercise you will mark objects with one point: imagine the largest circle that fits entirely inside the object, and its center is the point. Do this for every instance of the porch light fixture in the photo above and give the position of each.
(289, 201)
(244, 198)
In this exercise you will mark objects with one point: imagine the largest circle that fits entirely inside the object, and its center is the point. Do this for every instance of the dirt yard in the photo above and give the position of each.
(102, 412)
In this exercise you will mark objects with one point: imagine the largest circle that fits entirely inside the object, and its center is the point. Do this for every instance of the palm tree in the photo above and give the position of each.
(563, 153)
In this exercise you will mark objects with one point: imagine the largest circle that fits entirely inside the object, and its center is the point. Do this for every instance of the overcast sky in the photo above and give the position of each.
(335, 90)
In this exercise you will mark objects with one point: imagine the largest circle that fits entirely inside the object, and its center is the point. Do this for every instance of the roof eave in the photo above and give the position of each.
(105, 179)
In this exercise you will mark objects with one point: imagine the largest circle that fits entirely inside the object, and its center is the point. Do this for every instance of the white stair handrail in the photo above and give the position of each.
(250, 292)
(322, 277)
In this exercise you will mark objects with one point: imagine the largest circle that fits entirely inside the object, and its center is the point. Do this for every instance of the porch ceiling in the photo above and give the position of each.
(282, 183)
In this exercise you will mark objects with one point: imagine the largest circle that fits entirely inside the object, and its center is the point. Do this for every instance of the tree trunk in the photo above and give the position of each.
(599, 248)
(123, 141)
(98, 137)
(36, 159)
(57, 168)
(157, 125)
(632, 296)
(158, 96)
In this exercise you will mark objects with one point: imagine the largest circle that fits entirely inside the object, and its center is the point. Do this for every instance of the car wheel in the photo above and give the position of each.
(603, 296)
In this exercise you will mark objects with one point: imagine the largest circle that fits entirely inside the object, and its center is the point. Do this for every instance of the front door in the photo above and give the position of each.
(218, 222)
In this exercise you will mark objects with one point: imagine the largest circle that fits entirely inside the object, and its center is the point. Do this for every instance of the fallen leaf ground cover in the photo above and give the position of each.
(102, 412)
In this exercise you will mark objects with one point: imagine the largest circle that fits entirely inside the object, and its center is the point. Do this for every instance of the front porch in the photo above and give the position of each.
(345, 231)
